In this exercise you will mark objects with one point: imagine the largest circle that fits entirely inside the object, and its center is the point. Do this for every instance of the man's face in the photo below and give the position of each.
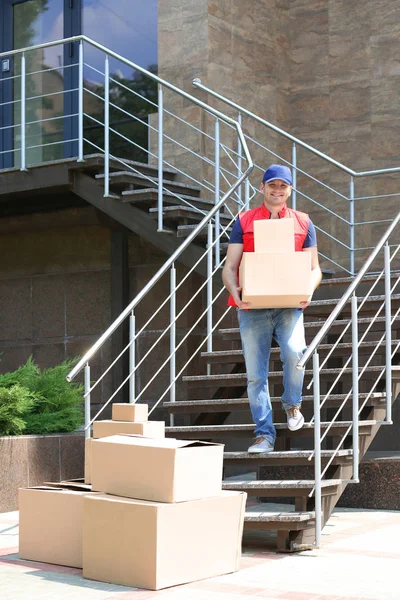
(275, 192)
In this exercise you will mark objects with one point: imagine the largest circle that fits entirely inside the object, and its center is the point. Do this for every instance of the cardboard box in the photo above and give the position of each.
(152, 545)
(163, 470)
(275, 280)
(88, 460)
(51, 525)
(274, 236)
(150, 429)
(130, 412)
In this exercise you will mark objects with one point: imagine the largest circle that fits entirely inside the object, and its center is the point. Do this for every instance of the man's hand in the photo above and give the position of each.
(237, 298)
(305, 303)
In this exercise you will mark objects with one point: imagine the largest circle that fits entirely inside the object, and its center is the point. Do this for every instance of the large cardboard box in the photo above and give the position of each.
(163, 470)
(274, 236)
(152, 545)
(151, 429)
(129, 412)
(51, 525)
(275, 280)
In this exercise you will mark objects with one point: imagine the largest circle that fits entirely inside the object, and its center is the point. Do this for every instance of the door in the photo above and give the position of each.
(49, 75)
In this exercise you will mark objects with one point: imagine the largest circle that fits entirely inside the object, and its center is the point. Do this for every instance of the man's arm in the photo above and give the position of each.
(229, 273)
(316, 274)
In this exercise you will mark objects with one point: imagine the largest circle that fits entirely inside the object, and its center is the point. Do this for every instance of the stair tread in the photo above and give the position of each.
(152, 194)
(250, 426)
(349, 280)
(277, 484)
(286, 454)
(240, 376)
(89, 158)
(142, 177)
(252, 514)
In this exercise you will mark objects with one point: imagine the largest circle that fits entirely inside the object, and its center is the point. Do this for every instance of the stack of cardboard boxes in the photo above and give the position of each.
(156, 515)
(274, 275)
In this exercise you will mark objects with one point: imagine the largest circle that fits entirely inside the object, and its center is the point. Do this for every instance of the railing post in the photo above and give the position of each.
(209, 291)
(23, 113)
(106, 127)
(87, 400)
(388, 336)
(172, 340)
(354, 346)
(352, 226)
(216, 196)
(239, 151)
(317, 446)
(160, 204)
(294, 176)
(80, 104)
(132, 358)
(247, 194)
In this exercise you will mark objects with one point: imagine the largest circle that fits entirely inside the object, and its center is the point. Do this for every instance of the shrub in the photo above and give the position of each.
(42, 402)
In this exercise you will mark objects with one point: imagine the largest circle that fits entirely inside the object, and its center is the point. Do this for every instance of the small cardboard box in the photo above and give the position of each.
(274, 236)
(152, 545)
(88, 460)
(130, 412)
(51, 525)
(275, 280)
(150, 429)
(162, 470)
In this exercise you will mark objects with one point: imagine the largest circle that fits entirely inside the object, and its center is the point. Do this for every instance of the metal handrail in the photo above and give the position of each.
(197, 84)
(326, 326)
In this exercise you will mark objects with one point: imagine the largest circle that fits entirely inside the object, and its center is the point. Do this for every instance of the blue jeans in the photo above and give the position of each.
(257, 329)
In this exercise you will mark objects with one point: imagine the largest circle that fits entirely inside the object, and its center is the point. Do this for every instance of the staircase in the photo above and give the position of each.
(184, 358)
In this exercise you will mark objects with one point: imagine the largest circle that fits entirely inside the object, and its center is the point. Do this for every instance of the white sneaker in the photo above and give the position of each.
(295, 419)
(261, 445)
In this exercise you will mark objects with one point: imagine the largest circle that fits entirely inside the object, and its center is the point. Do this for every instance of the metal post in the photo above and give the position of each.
(160, 158)
(247, 194)
(132, 358)
(80, 104)
(23, 113)
(209, 291)
(352, 231)
(239, 151)
(216, 197)
(317, 446)
(388, 336)
(106, 127)
(294, 176)
(172, 340)
(87, 400)
(354, 346)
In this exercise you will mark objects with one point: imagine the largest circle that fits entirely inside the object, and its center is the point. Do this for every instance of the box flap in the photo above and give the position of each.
(139, 440)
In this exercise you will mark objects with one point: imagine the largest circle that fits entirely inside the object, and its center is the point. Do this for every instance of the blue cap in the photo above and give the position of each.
(278, 172)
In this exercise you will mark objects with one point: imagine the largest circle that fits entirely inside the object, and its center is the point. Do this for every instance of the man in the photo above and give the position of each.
(259, 326)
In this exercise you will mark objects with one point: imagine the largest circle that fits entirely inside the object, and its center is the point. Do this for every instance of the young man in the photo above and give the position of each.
(259, 326)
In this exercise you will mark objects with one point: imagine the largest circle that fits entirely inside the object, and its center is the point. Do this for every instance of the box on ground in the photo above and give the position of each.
(163, 470)
(151, 429)
(88, 460)
(275, 280)
(156, 545)
(274, 236)
(130, 412)
(51, 525)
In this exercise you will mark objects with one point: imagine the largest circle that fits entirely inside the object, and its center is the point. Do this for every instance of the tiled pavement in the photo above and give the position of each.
(359, 560)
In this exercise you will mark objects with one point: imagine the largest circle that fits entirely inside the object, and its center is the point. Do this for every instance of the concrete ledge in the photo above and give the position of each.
(29, 460)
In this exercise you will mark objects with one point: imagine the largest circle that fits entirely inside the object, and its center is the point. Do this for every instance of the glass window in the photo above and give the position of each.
(128, 27)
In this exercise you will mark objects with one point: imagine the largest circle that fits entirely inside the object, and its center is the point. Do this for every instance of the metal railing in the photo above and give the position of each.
(391, 279)
(344, 217)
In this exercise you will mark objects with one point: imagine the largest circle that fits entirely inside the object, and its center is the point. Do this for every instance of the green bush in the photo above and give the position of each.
(40, 402)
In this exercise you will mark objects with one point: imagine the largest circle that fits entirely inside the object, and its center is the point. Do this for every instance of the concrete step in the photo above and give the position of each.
(122, 179)
(281, 488)
(234, 404)
(292, 521)
(287, 458)
(186, 213)
(185, 230)
(148, 197)
(191, 432)
(240, 379)
(236, 356)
